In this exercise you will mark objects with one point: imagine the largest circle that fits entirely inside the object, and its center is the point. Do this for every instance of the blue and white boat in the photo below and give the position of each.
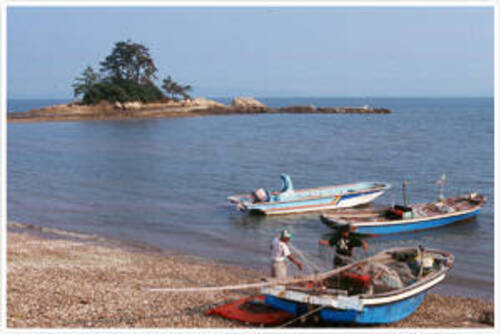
(289, 200)
(385, 288)
(400, 219)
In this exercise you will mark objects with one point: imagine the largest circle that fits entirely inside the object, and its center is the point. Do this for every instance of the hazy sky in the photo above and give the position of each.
(263, 51)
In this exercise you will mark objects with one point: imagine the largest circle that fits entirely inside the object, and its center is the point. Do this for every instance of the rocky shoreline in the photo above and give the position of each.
(62, 279)
(186, 108)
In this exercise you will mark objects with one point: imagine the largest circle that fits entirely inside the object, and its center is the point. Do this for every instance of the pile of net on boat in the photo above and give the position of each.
(377, 277)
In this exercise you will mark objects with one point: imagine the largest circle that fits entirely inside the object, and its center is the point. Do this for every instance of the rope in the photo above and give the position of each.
(303, 316)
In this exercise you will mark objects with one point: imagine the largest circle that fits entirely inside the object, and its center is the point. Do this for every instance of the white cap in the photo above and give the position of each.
(286, 234)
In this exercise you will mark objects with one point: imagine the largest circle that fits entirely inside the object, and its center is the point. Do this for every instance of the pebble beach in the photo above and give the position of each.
(57, 278)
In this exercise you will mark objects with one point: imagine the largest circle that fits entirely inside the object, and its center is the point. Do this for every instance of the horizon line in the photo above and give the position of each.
(296, 96)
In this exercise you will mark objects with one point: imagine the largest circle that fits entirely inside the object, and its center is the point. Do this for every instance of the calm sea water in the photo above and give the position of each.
(165, 181)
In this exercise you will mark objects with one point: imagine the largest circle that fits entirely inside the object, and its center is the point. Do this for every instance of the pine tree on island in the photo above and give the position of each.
(127, 74)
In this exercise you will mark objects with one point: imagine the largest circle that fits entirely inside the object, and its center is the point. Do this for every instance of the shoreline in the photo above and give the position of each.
(194, 108)
(100, 282)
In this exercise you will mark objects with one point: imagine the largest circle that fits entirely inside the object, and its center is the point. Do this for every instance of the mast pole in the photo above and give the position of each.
(405, 195)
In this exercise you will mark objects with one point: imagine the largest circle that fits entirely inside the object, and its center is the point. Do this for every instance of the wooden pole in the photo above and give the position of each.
(314, 277)
(441, 183)
(405, 195)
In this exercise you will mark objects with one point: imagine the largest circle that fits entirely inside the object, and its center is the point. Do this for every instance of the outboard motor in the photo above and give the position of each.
(260, 195)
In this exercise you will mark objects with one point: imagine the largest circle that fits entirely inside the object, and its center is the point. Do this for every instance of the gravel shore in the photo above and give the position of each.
(62, 279)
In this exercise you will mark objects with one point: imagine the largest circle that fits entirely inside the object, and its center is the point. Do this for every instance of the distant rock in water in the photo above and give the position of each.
(299, 109)
(333, 110)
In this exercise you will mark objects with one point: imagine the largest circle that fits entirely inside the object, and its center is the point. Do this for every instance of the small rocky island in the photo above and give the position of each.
(185, 108)
(125, 87)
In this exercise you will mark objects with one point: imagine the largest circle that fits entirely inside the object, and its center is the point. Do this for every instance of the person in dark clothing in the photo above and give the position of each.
(344, 241)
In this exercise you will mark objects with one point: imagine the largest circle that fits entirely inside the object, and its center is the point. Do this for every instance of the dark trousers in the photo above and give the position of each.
(341, 260)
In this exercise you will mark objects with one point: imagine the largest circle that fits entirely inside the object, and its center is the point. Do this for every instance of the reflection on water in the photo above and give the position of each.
(165, 181)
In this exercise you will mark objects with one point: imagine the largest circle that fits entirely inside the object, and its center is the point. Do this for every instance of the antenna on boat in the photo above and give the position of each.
(441, 183)
(405, 195)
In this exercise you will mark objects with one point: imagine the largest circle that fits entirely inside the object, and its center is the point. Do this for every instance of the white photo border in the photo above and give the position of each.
(6, 4)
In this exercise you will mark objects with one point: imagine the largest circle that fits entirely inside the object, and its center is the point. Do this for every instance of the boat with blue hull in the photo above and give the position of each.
(288, 200)
(401, 219)
(385, 288)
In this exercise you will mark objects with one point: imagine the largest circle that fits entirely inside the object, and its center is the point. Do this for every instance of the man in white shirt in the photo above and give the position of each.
(279, 253)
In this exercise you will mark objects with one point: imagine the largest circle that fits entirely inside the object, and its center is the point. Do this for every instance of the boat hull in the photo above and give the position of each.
(327, 203)
(312, 199)
(377, 314)
(410, 225)
(382, 314)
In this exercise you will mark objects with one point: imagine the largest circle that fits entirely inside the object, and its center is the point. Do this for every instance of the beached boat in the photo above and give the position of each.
(289, 200)
(400, 219)
(385, 288)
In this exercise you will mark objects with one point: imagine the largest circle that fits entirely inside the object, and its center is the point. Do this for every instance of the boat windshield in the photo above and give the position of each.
(286, 183)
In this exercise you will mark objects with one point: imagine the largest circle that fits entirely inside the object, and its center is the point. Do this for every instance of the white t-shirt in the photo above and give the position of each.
(279, 250)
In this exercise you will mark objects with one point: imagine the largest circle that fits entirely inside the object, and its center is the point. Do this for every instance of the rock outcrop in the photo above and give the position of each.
(197, 103)
(248, 104)
(332, 110)
(135, 105)
(298, 109)
(202, 102)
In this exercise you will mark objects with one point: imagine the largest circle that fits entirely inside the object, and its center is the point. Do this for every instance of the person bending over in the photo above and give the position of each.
(280, 253)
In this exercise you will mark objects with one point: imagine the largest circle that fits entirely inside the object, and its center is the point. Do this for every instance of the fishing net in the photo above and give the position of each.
(384, 277)
(311, 264)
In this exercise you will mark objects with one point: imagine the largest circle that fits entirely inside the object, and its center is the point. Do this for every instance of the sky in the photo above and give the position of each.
(266, 52)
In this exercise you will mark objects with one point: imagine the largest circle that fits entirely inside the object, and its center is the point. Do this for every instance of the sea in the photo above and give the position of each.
(165, 182)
